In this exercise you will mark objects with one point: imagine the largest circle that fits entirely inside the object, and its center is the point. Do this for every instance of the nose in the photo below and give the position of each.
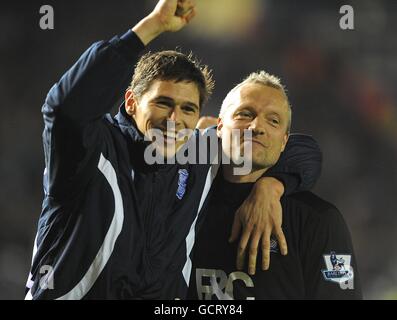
(257, 126)
(175, 116)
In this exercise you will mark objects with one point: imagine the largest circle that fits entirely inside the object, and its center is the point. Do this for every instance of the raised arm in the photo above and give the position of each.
(75, 106)
(98, 79)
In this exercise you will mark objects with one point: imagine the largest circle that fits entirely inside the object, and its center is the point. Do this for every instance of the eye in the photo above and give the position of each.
(163, 104)
(274, 121)
(244, 114)
(188, 109)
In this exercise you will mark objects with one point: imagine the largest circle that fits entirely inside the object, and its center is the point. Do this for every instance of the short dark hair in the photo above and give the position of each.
(175, 66)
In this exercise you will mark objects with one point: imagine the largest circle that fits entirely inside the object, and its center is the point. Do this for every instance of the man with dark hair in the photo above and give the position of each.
(165, 74)
(171, 65)
(320, 262)
(111, 224)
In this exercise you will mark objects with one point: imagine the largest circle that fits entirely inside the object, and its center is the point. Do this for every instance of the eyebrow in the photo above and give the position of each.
(245, 107)
(275, 113)
(252, 109)
(172, 101)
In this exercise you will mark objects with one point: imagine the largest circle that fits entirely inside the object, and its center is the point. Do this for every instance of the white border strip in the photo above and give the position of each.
(106, 250)
(190, 239)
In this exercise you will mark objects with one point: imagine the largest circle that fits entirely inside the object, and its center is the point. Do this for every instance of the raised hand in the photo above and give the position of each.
(168, 15)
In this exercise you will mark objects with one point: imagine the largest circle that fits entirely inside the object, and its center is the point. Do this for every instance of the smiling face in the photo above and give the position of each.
(264, 111)
(168, 106)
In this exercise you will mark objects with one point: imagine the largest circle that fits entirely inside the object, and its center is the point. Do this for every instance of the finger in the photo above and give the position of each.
(181, 8)
(189, 3)
(235, 228)
(191, 15)
(282, 242)
(241, 248)
(184, 8)
(253, 253)
(266, 250)
(240, 259)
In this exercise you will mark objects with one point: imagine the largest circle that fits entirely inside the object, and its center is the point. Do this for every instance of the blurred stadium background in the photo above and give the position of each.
(342, 85)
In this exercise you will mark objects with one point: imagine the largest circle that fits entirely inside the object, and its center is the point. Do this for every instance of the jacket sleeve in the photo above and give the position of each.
(74, 108)
(328, 259)
(299, 166)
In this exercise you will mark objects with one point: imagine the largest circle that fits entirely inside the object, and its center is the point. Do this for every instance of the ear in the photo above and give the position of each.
(286, 137)
(219, 128)
(130, 103)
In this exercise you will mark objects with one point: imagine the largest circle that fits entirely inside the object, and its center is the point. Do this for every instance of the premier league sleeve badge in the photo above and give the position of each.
(339, 269)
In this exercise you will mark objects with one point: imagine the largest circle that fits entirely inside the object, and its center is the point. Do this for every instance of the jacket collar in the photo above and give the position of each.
(128, 126)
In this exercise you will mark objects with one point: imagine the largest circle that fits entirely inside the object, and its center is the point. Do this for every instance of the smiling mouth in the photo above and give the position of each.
(166, 134)
(171, 135)
(169, 139)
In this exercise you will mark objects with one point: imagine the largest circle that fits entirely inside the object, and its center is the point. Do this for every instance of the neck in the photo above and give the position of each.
(228, 174)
